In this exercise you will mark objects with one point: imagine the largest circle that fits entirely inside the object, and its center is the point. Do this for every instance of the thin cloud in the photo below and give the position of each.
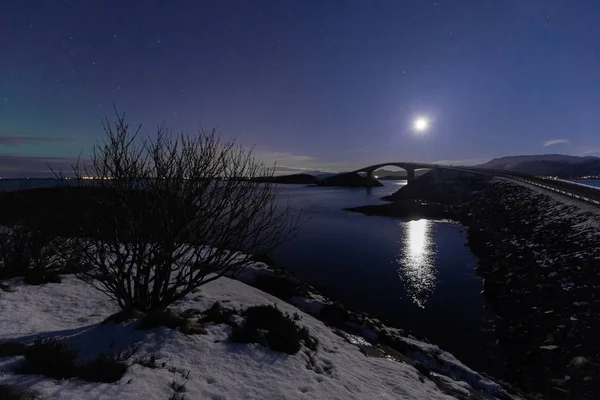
(290, 162)
(15, 166)
(554, 141)
(19, 140)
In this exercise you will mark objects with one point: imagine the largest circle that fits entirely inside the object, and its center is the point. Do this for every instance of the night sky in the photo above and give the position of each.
(318, 85)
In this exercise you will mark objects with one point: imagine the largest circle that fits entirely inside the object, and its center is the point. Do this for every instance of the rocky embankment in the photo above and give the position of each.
(539, 258)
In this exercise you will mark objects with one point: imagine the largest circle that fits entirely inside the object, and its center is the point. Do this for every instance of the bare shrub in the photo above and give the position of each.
(26, 252)
(172, 212)
(271, 327)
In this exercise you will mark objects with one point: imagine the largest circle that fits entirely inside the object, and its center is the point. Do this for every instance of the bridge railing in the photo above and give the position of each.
(586, 193)
(579, 184)
(563, 192)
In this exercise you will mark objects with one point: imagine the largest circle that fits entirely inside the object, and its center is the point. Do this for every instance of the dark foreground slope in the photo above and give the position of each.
(539, 259)
(93, 211)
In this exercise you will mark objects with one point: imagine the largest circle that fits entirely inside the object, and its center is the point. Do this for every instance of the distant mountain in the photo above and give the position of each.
(560, 165)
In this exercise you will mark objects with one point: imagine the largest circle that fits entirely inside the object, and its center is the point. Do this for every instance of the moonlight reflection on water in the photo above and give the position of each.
(416, 260)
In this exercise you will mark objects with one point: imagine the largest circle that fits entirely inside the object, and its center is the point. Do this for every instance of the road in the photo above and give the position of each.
(584, 193)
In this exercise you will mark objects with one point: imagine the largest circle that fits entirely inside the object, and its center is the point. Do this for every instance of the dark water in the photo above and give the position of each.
(418, 275)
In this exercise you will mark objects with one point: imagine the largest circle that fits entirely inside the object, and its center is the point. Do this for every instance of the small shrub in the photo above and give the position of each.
(271, 327)
(29, 253)
(217, 314)
(10, 393)
(168, 318)
(105, 368)
(15, 251)
(52, 358)
(177, 396)
(11, 348)
(172, 319)
(70, 257)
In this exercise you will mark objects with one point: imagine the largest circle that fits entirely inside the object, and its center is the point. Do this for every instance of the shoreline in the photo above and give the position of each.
(372, 335)
(540, 287)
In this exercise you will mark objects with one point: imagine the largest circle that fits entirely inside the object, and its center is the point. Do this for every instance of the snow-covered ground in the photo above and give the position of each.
(208, 364)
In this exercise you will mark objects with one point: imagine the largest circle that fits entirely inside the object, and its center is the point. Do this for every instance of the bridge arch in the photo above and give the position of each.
(409, 167)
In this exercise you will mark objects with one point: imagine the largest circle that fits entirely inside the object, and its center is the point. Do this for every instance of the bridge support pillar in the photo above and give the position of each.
(369, 174)
(410, 175)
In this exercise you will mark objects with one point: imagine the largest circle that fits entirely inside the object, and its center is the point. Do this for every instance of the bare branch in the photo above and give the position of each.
(172, 212)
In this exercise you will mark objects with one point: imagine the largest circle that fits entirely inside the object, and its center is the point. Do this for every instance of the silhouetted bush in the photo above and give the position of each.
(106, 367)
(172, 213)
(28, 253)
(56, 359)
(12, 348)
(271, 327)
(167, 318)
(217, 314)
(11, 393)
(52, 358)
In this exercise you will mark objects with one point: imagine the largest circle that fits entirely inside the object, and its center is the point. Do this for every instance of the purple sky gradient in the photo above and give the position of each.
(327, 85)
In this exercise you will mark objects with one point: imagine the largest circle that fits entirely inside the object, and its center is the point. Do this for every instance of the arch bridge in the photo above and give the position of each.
(409, 167)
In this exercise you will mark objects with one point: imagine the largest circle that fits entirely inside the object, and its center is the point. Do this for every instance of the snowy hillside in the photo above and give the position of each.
(168, 364)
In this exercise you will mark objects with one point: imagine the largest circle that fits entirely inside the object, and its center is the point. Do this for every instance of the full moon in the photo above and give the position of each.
(420, 124)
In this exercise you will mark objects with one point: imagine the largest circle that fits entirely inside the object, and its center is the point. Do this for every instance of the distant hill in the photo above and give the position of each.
(295, 178)
(560, 165)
